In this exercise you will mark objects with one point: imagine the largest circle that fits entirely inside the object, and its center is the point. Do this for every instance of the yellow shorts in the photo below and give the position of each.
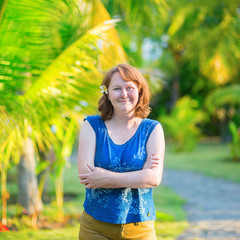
(92, 229)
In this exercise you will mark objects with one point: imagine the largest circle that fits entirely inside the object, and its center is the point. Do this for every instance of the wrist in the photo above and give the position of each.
(107, 177)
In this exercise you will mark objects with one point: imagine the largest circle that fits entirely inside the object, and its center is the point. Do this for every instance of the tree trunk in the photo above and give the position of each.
(27, 181)
(4, 193)
(59, 195)
(174, 91)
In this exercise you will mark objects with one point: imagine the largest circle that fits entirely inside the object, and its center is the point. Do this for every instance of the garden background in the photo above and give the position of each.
(53, 55)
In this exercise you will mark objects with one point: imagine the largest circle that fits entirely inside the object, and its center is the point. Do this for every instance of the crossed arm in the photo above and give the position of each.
(96, 177)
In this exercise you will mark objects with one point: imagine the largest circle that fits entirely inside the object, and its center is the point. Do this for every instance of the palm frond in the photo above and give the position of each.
(3, 4)
(41, 81)
(221, 96)
(33, 33)
(71, 77)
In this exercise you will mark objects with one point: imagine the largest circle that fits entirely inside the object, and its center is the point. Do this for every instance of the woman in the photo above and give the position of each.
(120, 160)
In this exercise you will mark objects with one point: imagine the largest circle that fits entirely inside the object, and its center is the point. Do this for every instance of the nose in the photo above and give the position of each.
(124, 93)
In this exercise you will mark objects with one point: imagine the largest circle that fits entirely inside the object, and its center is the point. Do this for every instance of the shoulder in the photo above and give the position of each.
(150, 124)
(88, 129)
(95, 122)
(151, 121)
(92, 118)
(156, 136)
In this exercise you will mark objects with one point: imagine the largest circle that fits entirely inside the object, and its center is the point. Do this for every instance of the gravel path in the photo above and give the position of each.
(213, 205)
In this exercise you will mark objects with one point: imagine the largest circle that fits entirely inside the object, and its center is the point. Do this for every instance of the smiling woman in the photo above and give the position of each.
(120, 160)
(126, 75)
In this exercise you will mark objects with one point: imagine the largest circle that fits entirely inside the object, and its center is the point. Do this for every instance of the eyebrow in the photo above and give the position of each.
(128, 83)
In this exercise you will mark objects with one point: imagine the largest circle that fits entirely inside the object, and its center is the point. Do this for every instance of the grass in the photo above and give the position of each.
(168, 205)
(169, 230)
(171, 219)
(212, 159)
(70, 233)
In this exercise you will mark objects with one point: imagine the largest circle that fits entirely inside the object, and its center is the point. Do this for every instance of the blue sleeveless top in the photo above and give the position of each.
(120, 205)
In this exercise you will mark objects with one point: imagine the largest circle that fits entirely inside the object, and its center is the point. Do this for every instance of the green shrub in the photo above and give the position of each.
(235, 144)
(180, 125)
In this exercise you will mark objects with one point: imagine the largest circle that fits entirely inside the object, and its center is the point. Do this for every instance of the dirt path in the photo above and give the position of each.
(213, 205)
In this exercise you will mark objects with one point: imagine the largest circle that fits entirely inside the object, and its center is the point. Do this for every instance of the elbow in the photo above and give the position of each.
(83, 168)
(83, 171)
(80, 169)
(154, 179)
(157, 181)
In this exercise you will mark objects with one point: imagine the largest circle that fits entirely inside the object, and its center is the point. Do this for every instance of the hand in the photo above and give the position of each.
(151, 162)
(94, 178)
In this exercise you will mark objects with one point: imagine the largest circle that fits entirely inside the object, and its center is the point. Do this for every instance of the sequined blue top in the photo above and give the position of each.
(120, 205)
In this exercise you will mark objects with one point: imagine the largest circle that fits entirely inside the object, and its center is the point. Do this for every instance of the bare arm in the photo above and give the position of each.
(86, 148)
(148, 177)
(156, 146)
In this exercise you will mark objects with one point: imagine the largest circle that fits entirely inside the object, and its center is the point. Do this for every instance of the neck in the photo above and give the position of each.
(124, 120)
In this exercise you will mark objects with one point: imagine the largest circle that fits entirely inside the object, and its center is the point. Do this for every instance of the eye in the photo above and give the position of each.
(116, 89)
(130, 88)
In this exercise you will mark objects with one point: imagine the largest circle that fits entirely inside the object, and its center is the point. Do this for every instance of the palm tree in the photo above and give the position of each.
(224, 103)
(228, 95)
(198, 39)
(52, 55)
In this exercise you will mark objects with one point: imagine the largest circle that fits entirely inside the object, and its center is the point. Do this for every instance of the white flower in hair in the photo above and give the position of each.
(103, 89)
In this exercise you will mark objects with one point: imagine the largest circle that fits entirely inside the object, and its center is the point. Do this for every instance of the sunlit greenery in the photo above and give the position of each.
(184, 131)
(235, 144)
(194, 43)
(50, 70)
(53, 55)
(209, 158)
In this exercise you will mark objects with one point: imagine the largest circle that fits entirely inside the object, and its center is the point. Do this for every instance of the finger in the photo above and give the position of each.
(154, 165)
(152, 157)
(83, 176)
(84, 181)
(88, 186)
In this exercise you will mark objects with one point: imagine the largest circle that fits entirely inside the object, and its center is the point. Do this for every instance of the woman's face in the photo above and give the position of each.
(123, 95)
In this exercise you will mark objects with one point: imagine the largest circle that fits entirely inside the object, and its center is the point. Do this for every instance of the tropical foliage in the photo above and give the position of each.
(228, 95)
(194, 43)
(224, 103)
(235, 144)
(52, 55)
(181, 125)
